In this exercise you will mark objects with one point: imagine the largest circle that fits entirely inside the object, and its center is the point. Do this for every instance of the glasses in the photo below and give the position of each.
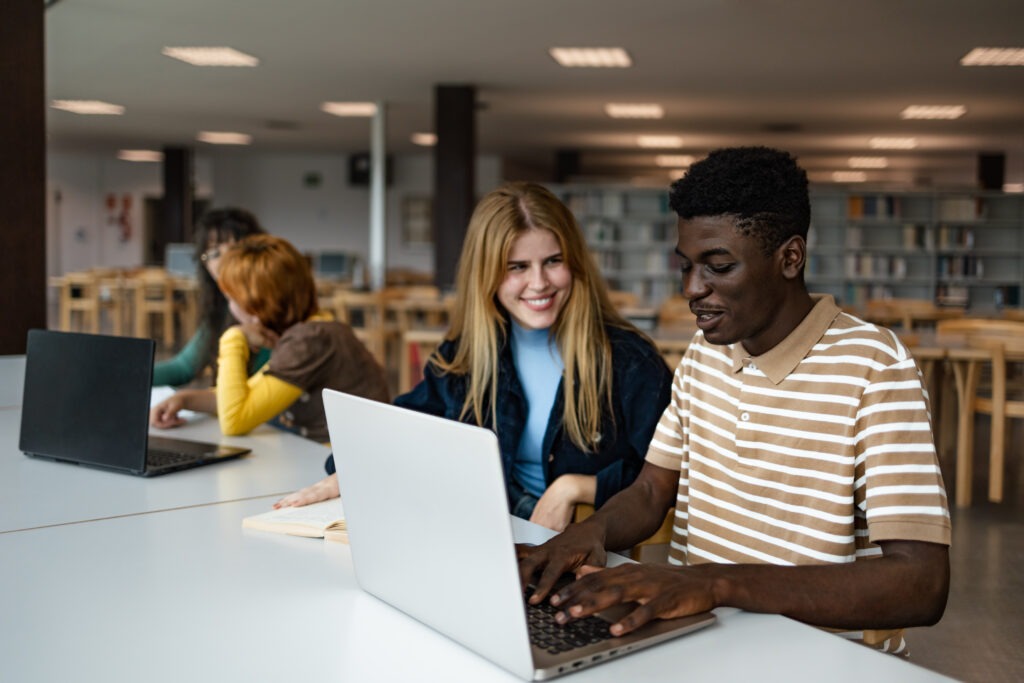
(210, 255)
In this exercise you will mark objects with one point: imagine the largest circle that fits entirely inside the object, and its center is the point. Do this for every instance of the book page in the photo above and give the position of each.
(300, 520)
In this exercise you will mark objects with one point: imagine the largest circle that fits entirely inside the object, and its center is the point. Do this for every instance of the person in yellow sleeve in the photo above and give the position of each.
(272, 295)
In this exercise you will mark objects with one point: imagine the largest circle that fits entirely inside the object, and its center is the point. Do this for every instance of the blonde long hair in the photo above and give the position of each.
(479, 322)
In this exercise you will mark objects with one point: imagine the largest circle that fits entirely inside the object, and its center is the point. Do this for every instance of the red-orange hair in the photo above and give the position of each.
(267, 277)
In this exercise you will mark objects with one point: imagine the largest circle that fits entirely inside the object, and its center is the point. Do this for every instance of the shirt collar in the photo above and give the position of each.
(779, 361)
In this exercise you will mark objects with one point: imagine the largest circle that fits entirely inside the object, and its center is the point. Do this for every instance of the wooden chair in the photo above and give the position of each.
(675, 312)
(89, 294)
(660, 537)
(365, 312)
(153, 296)
(996, 346)
(623, 300)
(906, 313)
(417, 345)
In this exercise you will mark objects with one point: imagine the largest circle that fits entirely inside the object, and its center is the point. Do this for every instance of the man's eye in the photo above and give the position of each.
(720, 268)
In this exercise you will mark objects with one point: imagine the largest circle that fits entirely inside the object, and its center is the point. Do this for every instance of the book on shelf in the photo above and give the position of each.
(325, 519)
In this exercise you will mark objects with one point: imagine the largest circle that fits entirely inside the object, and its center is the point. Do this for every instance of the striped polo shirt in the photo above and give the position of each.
(810, 453)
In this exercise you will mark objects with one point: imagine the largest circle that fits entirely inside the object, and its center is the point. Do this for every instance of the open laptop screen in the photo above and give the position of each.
(86, 398)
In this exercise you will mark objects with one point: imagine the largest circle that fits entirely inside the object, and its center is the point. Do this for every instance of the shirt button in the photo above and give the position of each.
(745, 417)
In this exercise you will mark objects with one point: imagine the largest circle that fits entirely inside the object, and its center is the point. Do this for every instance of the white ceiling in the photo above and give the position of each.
(724, 70)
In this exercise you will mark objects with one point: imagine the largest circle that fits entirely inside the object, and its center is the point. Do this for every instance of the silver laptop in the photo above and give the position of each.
(86, 402)
(426, 511)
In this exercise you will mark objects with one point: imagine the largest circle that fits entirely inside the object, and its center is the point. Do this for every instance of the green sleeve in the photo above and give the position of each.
(184, 367)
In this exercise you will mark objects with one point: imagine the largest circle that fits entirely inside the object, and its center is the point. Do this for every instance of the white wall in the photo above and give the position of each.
(81, 231)
(330, 216)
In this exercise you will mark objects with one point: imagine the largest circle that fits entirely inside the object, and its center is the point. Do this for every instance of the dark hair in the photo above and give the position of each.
(225, 225)
(763, 188)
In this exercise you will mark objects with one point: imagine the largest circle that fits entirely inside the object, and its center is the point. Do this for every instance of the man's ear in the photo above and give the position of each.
(792, 257)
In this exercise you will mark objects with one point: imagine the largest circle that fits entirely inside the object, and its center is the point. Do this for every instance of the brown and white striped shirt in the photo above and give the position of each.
(810, 453)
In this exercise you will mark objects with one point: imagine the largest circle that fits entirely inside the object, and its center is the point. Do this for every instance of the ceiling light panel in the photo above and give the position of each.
(634, 111)
(849, 176)
(349, 108)
(868, 162)
(224, 138)
(591, 57)
(660, 141)
(91, 107)
(893, 143)
(211, 56)
(140, 155)
(424, 139)
(933, 111)
(673, 160)
(994, 56)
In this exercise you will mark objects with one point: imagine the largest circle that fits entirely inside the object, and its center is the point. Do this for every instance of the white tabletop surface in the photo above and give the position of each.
(35, 492)
(187, 594)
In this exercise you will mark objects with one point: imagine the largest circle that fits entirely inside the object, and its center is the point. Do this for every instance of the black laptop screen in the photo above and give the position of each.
(87, 398)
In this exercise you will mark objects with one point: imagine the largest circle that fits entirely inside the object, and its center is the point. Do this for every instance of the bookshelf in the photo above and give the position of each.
(958, 248)
(631, 232)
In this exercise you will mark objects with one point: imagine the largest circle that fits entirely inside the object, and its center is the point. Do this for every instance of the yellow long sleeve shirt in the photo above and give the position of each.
(244, 402)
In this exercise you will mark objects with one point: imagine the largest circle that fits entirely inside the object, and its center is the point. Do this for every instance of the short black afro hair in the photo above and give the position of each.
(763, 188)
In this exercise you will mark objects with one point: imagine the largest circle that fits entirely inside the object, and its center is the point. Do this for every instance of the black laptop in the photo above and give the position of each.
(86, 401)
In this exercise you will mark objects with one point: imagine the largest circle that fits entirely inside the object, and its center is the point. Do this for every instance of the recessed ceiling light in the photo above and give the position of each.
(933, 111)
(869, 162)
(211, 56)
(634, 111)
(224, 138)
(849, 176)
(677, 160)
(994, 56)
(140, 155)
(596, 57)
(893, 143)
(95, 107)
(424, 139)
(677, 173)
(660, 141)
(349, 108)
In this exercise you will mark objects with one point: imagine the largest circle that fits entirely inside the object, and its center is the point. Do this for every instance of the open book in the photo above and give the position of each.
(325, 519)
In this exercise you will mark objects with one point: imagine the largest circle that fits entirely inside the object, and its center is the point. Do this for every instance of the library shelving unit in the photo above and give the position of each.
(632, 233)
(958, 248)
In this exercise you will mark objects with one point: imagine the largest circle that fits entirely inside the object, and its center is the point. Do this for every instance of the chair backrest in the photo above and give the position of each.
(622, 299)
(675, 312)
(974, 327)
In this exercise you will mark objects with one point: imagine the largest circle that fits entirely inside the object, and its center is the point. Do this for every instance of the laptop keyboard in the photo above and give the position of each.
(161, 458)
(548, 634)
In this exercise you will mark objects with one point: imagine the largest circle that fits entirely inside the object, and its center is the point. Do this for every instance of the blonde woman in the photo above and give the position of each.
(271, 293)
(537, 353)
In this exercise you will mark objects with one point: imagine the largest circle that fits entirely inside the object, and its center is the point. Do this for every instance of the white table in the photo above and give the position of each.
(188, 595)
(35, 492)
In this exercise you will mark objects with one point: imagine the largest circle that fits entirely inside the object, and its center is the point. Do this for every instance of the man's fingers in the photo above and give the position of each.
(634, 620)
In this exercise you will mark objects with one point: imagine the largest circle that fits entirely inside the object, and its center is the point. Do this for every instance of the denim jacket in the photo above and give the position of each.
(641, 385)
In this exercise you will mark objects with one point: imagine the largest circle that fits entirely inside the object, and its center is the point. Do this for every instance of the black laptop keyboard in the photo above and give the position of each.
(548, 634)
(159, 458)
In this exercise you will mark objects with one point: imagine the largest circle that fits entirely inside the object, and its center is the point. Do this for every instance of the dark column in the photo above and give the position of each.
(991, 170)
(22, 173)
(567, 164)
(176, 221)
(454, 175)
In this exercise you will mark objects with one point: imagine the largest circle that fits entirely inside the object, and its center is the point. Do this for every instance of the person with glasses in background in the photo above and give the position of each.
(215, 230)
